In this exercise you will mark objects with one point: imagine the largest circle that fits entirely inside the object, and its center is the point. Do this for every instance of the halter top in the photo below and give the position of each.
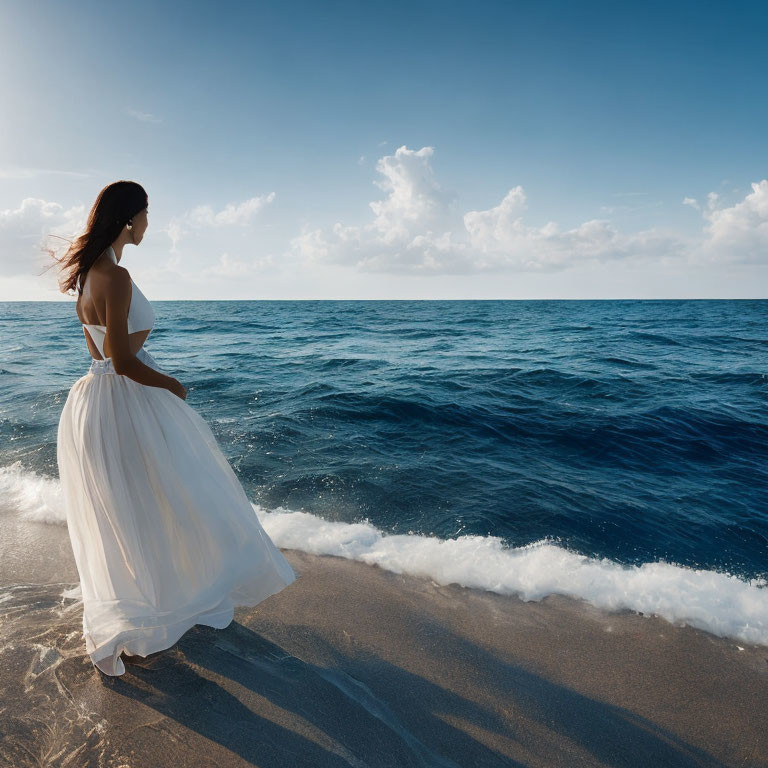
(141, 316)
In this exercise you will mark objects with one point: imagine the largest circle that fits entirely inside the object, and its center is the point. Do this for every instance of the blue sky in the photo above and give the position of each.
(399, 150)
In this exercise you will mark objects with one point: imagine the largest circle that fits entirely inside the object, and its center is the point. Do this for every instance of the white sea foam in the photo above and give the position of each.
(719, 603)
(34, 497)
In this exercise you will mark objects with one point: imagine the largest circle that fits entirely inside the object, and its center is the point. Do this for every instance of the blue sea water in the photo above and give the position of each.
(613, 450)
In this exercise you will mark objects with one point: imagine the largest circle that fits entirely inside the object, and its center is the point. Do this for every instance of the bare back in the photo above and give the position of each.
(91, 307)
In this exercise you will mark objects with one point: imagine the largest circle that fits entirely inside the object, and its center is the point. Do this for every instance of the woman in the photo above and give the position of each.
(163, 534)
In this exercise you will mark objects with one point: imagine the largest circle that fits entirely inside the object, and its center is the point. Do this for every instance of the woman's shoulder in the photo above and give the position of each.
(111, 280)
(117, 280)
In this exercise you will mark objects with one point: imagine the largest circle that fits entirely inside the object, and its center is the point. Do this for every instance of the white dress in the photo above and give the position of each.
(162, 532)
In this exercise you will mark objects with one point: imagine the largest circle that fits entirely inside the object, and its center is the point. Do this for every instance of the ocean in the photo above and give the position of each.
(613, 451)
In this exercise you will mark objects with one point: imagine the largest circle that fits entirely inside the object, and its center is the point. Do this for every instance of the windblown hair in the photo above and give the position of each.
(116, 204)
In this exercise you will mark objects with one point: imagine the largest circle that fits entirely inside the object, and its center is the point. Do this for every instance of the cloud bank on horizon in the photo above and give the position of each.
(420, 228)
(415, 227)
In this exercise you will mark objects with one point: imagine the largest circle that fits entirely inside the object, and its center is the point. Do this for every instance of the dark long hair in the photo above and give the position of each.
(116, 204)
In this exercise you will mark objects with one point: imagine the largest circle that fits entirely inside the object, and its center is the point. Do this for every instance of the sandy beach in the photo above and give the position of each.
(353, 665)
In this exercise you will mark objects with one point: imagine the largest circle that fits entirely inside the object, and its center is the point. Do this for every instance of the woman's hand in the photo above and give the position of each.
(179, 389)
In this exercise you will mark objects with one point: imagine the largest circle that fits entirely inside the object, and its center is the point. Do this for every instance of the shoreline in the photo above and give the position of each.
(355, 665)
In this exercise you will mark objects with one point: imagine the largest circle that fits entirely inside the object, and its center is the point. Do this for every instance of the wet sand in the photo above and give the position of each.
(356, 666)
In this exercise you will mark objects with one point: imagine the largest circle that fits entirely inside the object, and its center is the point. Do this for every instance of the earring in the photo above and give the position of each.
(130, 226)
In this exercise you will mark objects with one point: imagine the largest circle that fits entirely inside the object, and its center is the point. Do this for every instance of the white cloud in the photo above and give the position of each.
(418, 229)
(35, 224)
(414, 200)
(177, 270)
(23, 232)
(502, 236)
(414, 227)
(31, 211)
(692, 202)
(231, 215)
(738, 233)
(204, 217)
(228, 267)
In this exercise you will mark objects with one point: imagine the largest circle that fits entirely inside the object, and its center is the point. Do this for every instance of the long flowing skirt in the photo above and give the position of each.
(163, 534)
